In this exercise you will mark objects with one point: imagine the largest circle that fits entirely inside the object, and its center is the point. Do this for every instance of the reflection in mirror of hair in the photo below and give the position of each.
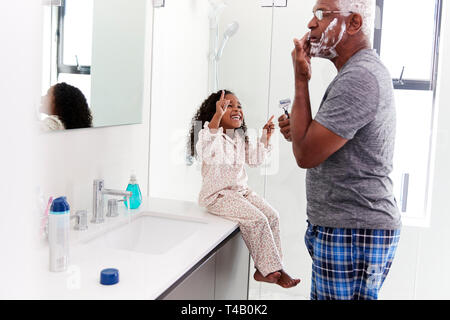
(66, 107)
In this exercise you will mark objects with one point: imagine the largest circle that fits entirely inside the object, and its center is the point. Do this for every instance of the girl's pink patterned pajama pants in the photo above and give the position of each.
(259, 225)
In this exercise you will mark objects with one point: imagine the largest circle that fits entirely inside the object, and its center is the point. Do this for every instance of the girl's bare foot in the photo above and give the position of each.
(286, 281)
(270, 278)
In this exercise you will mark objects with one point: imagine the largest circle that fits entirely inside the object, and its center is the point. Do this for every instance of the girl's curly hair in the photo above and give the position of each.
(206, 113)
(71, 106)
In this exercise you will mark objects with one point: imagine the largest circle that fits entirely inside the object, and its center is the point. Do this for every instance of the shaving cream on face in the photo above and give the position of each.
(326, 47)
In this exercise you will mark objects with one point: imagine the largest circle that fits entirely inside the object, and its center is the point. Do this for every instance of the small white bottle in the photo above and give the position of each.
(58, 234)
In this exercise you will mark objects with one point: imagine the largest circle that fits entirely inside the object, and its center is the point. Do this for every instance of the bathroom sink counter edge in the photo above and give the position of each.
(143, 273)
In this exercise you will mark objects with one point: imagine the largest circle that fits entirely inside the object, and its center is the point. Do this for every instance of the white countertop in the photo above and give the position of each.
(142, 276)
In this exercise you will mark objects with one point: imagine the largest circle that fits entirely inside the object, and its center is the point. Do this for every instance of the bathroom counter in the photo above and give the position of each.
(142, 275)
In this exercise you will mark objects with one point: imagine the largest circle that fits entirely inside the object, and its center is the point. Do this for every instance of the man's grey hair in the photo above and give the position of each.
(366, 8)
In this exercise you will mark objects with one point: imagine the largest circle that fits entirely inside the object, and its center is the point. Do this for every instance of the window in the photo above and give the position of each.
(75, 36)
(73, 39)
(407, 40)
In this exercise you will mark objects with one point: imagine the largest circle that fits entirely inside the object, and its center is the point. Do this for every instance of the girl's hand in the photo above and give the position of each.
(221, 108)
(221, 105)
(268, 130)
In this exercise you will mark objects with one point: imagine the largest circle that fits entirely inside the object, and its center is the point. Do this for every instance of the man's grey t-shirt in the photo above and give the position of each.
(352, 188)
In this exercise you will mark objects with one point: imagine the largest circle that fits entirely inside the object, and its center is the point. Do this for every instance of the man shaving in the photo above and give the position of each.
(353, 220)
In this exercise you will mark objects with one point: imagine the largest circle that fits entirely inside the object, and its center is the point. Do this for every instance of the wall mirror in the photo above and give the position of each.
(93, 63)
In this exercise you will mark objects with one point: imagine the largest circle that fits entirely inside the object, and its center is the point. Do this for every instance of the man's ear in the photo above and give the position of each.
(355, 23)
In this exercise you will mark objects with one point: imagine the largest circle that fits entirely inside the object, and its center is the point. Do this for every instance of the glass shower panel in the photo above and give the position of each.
(179, 86)
(285, 182)
(244, 69)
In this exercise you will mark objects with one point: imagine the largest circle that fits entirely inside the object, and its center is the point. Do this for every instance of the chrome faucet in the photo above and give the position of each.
(81, 220)
(99, 199)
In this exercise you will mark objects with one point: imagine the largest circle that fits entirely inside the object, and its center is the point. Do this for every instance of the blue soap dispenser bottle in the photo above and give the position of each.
(136, 196)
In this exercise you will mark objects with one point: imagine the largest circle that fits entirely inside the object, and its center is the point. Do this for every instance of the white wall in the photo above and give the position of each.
(20, 24)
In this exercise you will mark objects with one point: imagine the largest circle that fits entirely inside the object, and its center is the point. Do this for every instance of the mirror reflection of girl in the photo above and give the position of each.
(66, 107)
(223, 149)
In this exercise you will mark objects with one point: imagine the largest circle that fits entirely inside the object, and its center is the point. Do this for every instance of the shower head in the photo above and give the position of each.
(231, 29)
(229, 32)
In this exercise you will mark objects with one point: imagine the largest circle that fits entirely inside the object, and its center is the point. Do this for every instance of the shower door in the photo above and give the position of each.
(245, 70)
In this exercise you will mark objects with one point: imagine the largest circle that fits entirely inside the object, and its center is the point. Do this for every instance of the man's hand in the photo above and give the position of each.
(285, 127)
(301, 59)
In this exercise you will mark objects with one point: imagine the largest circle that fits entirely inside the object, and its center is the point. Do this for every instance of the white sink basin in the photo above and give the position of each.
(150, 234)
